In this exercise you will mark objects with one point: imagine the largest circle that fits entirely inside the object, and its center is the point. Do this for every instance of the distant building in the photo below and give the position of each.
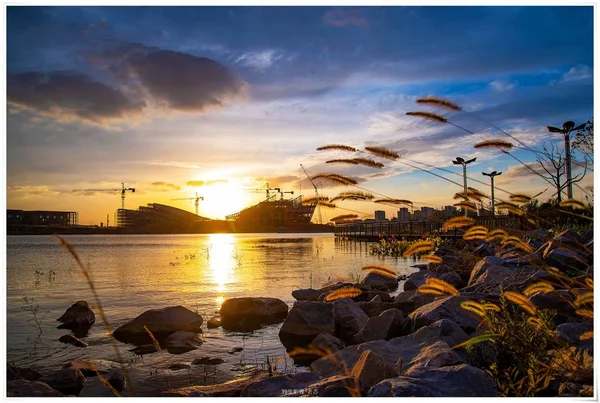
(403, 214)
(450, 211)
(427, 212)
(417, 215)
(41, 217)
(379, 215)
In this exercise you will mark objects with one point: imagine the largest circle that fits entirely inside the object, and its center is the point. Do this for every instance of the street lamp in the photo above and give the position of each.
(491, 175)
(567, 128)
(461, 161)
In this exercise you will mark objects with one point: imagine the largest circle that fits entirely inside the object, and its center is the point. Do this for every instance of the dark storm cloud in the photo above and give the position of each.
(68, 96)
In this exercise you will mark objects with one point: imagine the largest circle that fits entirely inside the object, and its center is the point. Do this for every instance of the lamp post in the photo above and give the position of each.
(461, 161)
(567, 128)
(491, 175)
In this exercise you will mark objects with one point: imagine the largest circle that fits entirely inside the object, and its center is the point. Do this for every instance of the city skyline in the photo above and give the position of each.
(215, 100)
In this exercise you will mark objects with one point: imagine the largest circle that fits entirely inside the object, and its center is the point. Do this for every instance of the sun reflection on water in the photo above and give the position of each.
(222, 262)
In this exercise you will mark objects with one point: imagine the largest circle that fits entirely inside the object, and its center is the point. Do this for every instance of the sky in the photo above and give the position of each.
(220, 101)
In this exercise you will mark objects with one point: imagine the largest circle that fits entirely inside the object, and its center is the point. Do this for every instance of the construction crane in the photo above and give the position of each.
(267, 190)
(196, 200)
(123, 191)
(320, 217)
(281, 193)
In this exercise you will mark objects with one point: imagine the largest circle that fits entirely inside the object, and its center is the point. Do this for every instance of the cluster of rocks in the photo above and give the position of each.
(373, 344)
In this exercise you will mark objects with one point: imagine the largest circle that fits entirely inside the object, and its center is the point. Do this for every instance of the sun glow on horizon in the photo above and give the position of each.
(222, 199)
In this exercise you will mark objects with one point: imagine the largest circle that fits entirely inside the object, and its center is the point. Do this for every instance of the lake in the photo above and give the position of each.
(134, 273)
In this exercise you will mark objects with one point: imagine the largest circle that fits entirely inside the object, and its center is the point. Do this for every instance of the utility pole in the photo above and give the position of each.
(461, 161)
(567, 128)
(491, 175)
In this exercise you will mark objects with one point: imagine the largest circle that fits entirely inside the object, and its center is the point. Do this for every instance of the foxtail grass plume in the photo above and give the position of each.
(494, 143)
(497, 235)
(327, 204)
(586, 313)
(429, 116)
(341, 179)
(475, 232)
(436, 286)
(540, 286)
(356, 196)
(341, 147)
(383, 152)
(432, 259)
(467, 205)
(458, 222)
(587, 335)
(440, 103)
(393, 201)
(576, 204)
(474, 307)
(309, 351)
(520, 198)
(345, 292)
(522, 301)
(342, 161)
(344, 217)
(585, 298)
(368, 162)
(386, 271)
(418, 247)
(311, 200)
(518, 243)
(510, 207)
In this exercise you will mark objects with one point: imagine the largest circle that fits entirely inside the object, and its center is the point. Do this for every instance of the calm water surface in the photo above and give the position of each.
(134, 273)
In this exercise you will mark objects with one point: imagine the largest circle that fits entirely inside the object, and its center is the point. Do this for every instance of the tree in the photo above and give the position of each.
(584, 141)
(554, 165)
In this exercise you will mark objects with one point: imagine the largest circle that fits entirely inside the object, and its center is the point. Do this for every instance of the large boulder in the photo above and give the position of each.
(379, 282)
(227, 389)
(78, 317)
(305, 321)
(282, 385)
(327, 343)
(246, 314)
(68, 381)
(25, 388)
(407, 349)
(182, 342)
(348, 318)
(566, 260)
(408, 301)
(445, 308)
(371, 369)
(415, 280)
(461, 380)
(160, 322)
(383, 327)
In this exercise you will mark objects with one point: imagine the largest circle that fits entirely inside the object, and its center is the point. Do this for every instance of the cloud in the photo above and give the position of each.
(165, 186)
(31, 191)
(344, 16)
(278, 181)
(178, 81)
(500, 85)
(579, 72)
(70, 96)
(178, 164)
(259, 60)
(199, 183)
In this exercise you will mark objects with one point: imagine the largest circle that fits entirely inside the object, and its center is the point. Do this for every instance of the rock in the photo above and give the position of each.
(337, 386)
(444, 308)
(93, 367)
(68, 381)
(385, 326)
(161, 322)
(116, 379)
(569, 388)
(182, 342)
(586, 235)
(558, 301)
(78, 316)
(306, 294)
(570, 332)
(484, 249)
(411, 300)
(213, 323)
(348, 318)
(379, 282)
(371, 369)
(305, 321)
(566, 260)
(327, 343)
(415, 280)
(235, 350)
(376, 298)
(13, 373)
(246, 314)
(144, 349)
(405, 348)
(25, 388)
(94, 387)
(70, 339)
(454, 381)
(488, 277)
(178, 366)
(276, 386)
(437, 354)
(227, 389)
(440, 268)
(208, 361)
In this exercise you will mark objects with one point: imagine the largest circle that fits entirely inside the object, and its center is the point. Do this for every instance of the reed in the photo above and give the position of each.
(494, 143)
(429, 116)
(440, 103)
(340, 147)
(382, 152)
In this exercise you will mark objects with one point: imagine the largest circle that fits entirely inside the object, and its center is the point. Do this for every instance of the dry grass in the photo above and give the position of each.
(440, 103)
(340, 147)
(383, 152)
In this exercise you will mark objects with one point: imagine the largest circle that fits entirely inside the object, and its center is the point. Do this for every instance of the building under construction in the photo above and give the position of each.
(159, 217)
(42, 217)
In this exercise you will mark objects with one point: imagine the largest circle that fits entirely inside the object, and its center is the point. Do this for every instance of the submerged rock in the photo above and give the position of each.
(161, 322)
(68, 381)
(144, 349)
(182, 342)
(213, 322)
(246, 314)
(78, 316)
(208, 361)
(70, 339)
